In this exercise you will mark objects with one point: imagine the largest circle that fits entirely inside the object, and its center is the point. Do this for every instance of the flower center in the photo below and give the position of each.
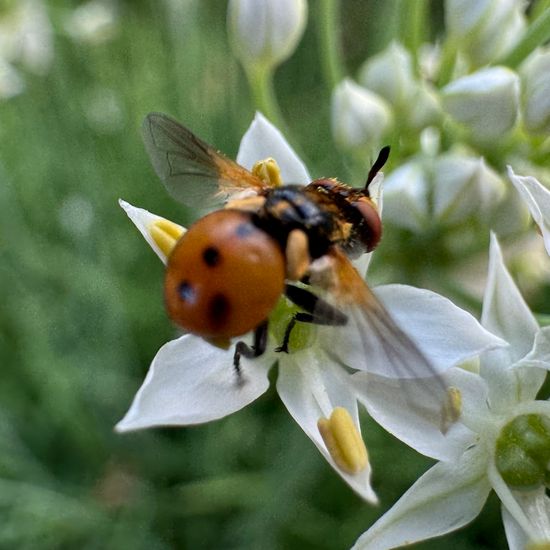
(523, 452)
(302, 335)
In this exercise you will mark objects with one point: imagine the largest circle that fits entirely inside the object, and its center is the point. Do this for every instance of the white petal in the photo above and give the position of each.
(311, 386)
(537, 198)
(445, 333)
(539, 356)
(530, 509)
(505, 312)
(394, 405)
(191, 381)
(446, 497)
(143, 219)
(263, 140)
(515, 536)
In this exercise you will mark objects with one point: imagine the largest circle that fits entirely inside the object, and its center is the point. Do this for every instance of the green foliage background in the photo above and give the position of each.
(82, 313)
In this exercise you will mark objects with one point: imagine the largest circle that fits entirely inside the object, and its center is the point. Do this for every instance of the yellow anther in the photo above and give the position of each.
(343, 441)
(538, 546)
(165, 234)
(268, 171)
(451, 408)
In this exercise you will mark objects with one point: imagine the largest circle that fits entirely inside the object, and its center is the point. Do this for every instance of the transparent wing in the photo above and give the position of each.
(192, 171)
(372, 341)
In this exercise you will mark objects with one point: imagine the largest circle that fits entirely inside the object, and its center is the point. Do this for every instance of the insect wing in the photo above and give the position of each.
(373, 342)
(192, 171)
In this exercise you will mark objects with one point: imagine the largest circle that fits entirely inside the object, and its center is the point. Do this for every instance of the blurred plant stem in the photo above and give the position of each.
(260, 79)
(411, 25)
(328, 31)
(536, 35)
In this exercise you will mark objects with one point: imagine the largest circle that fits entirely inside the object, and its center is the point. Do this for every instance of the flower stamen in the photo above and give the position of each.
(343, 441)
(268, 171)
(165, 234)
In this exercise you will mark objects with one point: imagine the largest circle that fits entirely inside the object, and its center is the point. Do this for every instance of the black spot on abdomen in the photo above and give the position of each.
(211, 256)
(219, 310)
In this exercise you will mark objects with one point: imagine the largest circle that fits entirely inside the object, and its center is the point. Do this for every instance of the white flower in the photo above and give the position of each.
(502, 441)
(463, 185)
(359, 118)
(93, 22)
(535, 75)
(537, 199)
(484, 29)
(406, 196)
(486, 102)
(390, 75)
(191, 381)
(26, 36)
(264, 33)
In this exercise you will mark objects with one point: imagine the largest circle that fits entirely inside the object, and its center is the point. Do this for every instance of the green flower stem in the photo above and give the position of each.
(539, 8)
(536, 35)
(328, 25)
(412, 20)
(260, 80)
(448, 60)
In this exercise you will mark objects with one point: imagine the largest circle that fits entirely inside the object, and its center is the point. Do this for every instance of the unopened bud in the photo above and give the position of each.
(486, 102)
(359, 118)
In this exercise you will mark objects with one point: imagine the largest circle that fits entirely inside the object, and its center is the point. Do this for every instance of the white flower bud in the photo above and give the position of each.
(535, 74)
(265, 32)
(464, 185)
(359, 118)
(485, 29)
(406, 196)
(390, 75)
(486, 101)
(424, 109)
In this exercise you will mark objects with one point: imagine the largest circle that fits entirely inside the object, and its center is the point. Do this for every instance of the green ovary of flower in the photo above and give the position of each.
(523, 452)
(303, 335)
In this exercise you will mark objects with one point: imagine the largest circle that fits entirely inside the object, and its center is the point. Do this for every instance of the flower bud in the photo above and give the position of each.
(406, 196)
(424, 109)
(265, 32)
(390, 75)
(484, 29)
(359, 118)
(535, 75)
(486, 102)
(464, 185)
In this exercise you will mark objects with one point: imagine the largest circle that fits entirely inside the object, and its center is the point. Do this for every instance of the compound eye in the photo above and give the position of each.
(372, 224)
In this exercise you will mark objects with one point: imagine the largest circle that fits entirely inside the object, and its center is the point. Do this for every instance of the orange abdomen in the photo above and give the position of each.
(224, 276)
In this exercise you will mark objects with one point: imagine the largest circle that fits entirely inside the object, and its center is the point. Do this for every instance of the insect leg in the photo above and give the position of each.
(319, 312)
(243, 349)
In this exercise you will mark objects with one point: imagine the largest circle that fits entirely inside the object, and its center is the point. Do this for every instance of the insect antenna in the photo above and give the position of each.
(378, 163)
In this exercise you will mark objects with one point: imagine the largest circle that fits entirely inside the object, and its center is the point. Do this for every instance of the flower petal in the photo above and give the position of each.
(537, 199)
(444, 333)
(311, 387)
(409, 410)
(515, 536)
(505, 312)
(190, 382)
(530, 509)
(539, 356)
(143, 219)
(263, 140)
(446, 497)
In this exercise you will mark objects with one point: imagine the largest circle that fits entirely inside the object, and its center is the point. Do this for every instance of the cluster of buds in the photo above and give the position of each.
(470, 112)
